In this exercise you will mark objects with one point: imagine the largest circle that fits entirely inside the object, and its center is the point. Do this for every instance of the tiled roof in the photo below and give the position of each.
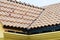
(50, 16)
(18, 15)
(24, 16)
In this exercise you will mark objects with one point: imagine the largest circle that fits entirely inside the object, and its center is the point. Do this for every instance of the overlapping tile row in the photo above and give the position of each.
(50, 16)
(19, 15)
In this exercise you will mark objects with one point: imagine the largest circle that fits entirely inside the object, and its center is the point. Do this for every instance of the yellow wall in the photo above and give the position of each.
(44, 36)
(1, 30)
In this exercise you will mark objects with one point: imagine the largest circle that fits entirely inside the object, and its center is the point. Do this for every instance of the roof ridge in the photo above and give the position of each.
(25, 4)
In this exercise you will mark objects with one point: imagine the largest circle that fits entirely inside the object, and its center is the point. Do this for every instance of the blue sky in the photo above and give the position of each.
(40, 3)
